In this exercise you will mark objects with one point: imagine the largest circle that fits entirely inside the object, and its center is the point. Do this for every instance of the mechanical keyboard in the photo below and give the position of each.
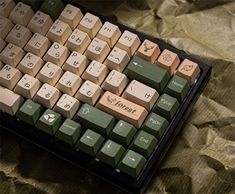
(92, 91)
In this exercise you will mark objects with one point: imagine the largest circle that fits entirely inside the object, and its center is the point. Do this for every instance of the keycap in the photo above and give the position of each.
(67, 106)
(6, 6)
(49, 122)
(21, 14)
(90, 24)
(141, 94)
(9, 101)
(111, 153)
(177, 87)
(122, 109)
(90, 142)
(123, 133)
(147, 73)
(34, 4)
(169, 61)
(69, 132)
(5, 26)
(155, 125)
(30, 112)
(166, 106)
(144, 143)
(2, 44)
(129, 42)
(53, 8)
(87, 117)
(132, 163)
(71, 15)
(27, 86)
(188, 70)
(47, 96)
(115, 82)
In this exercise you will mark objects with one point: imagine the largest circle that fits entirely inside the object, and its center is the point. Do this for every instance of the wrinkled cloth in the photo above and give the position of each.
(202, 158)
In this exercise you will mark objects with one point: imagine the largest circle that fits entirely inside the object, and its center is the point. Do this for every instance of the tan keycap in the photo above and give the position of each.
(169, 61)
(97, 50)
(27, 86)
(149, 51)
(89, 93)
(9, 101)
(30, 64)
(141, 94)
(12, 55)
(59, 32)
(90, 24)
(129, 42)
(71, 15)
(2, 44)
(115, 82)
(40, 23)
(9, 76)
(6, 6)
(188, 70)
(5, 26)
(21, 14)
(38, 45)
(67, 106)
(122, 109)
(47, 95)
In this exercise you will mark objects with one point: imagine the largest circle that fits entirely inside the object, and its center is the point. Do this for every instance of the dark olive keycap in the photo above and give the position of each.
(52, 8)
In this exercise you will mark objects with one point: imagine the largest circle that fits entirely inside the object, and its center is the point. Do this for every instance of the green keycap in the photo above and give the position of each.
(155, 125)
(123, 133)
(53, 8)
(35, 4)
(90, 142)
(166, 106)
(69, 131)
(147, 73)
(178, 87)
(49, 122)
(144, 143)
(132, 163)
(95, 119)
(111, 153)
(30, 112)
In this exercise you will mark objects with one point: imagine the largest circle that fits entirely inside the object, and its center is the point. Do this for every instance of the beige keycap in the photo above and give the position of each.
(30, 64)
(109, 33)
(141, 94)
(40, 23)
(78, 41)
(38, 45)
(6, 6)
(169, 61)
(9, 101)
(117, 59)
(76, 63)
(50, 73)
(19, 35)
(115, 82)
(9, 76)
(2, 44)
(188, 70)
(149, 51)
(90, 24)
(122, 109)
(67, 106)
(12, 55)
(47, 96)
(57, 54)
(89, 93)
(71, 15)
(5, 26)
(69, 83)
(27, 86)
(129, 42)
(95, 72)
(97, 50)
(59, 32)
(21, 14)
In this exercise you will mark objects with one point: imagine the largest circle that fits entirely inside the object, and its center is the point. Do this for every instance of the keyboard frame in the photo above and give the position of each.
(62, 150)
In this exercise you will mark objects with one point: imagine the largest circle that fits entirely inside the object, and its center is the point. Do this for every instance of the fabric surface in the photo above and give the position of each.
(202, 158)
